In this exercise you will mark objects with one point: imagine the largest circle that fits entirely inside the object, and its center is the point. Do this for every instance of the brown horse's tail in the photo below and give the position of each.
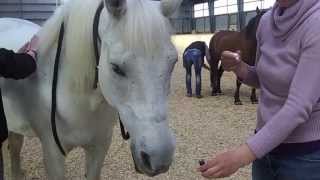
(206, 67)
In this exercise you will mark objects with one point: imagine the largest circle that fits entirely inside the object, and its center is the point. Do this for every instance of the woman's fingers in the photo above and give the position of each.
(230, 60)
(208, 164)
(212, 172)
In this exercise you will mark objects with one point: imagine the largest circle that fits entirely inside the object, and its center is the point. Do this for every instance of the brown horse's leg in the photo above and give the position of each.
(253, 97)
(220, 72)
(212, 79)
(237, 100)
(214, 75)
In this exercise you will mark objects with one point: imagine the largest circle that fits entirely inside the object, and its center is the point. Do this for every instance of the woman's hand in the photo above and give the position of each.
(227, 163)
(230, 60)
(30, 47)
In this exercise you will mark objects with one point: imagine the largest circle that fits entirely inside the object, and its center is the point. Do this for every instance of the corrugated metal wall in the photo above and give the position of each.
(185, 23)
(35, 10)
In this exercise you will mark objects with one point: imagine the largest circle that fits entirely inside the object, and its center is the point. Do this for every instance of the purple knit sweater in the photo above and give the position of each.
(288, 74)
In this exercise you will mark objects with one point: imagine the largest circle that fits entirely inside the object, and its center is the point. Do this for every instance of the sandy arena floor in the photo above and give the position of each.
(203, 127)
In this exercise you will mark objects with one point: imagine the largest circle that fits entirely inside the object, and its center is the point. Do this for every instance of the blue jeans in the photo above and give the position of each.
(193, 57)
(275, 167)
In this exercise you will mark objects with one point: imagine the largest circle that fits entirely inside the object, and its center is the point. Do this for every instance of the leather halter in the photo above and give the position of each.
(96, 41)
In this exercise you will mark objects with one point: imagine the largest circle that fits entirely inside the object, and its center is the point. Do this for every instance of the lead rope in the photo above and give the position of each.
(96, 40)
(54, 91)
(125, 135)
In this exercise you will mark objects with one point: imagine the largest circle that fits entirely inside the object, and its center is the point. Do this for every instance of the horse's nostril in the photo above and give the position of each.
(115, 3)
(146, 160)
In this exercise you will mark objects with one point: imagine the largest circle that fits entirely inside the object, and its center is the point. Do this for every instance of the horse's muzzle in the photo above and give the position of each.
(144, 167)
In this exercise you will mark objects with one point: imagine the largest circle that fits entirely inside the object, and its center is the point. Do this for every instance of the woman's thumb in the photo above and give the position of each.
(239, 54)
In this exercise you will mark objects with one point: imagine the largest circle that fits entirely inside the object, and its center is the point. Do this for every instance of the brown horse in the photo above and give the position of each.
(244, 41)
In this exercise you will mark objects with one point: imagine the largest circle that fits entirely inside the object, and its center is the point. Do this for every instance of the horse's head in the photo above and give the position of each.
(136, 63)
(251, 28)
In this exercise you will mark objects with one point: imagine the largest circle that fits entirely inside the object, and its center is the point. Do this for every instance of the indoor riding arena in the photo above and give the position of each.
(203, 126)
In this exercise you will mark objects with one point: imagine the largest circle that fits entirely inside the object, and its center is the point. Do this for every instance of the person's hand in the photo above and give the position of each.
(34, 43)
(230, 60)
(233, 62)
(30, 47)
(227, 163)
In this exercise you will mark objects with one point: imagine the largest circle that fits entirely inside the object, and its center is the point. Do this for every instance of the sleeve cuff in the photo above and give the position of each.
(251, 77)
(260, 144)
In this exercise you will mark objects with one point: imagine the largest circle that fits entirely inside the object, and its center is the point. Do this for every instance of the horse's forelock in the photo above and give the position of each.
(144, 29)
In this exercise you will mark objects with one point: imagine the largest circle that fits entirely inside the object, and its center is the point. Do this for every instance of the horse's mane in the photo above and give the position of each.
(143, 30)
(250, 28)
(49, 32)
(79, 51)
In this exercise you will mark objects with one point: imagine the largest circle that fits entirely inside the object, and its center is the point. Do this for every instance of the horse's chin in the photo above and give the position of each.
(141, 169)
(147, 172)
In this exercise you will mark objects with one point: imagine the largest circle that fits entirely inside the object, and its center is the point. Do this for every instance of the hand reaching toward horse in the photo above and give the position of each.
(231, 61)
(30, 47)
(227, 163)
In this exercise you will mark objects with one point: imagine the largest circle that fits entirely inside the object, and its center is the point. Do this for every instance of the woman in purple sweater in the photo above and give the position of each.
(286, 145)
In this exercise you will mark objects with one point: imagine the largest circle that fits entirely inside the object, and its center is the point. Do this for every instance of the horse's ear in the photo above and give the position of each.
(258, 10)
(168, 7)
(117, 8)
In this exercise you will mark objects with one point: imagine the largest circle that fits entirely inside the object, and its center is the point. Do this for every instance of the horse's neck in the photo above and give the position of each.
(248, 35)
(66, 81)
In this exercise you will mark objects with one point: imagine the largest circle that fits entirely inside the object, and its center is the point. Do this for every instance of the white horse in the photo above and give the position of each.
(136, 63)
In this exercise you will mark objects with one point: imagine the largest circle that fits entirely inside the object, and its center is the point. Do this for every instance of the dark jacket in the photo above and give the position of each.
(14, 66)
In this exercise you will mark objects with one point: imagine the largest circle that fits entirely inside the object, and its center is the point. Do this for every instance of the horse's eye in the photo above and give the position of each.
(118, 70)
